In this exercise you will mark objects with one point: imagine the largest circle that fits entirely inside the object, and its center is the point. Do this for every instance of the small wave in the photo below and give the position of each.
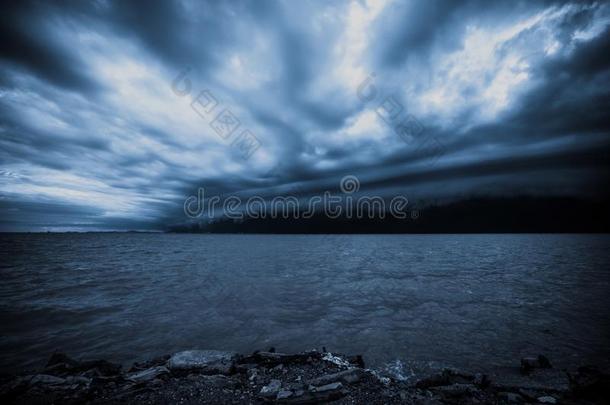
(398, 370)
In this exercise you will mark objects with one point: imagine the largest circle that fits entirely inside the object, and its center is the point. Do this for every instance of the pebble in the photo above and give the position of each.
(271, 389)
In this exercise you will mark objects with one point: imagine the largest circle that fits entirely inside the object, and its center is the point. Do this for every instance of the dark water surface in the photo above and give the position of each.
(425, 300)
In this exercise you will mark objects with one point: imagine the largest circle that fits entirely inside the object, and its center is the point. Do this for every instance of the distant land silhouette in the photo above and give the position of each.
(480, 215)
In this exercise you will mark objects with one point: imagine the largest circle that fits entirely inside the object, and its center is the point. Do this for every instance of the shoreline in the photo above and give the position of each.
(211, 376)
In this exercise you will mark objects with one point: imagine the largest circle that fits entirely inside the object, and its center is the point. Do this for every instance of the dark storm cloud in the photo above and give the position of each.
(428, 22)
(513, 97)
(26, 41)
(442, 24)
(574, 96)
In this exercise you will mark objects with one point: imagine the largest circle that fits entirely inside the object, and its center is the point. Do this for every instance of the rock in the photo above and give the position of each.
(155, 362)
(481, 380)
(252, 374)
(530, 395)
(455, 390)
(272, 389)
(100, 367)
(219, 381)
(46, 379)
(271, 359)
(58, 358)
(203, 361)
(336, 360)
(347, 377)
(447, 377)
(77, 379)
(245, 367)
(545, 380)
(202, 375)
(324, 393)
(510, 397)
(326, 388)
(357, 360)
(60, 363)
(531, 363)
(157, 382)
(590, 383)
(147, 375)
(283, 394)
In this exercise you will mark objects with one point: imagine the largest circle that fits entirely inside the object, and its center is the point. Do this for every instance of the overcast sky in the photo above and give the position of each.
(431, 99)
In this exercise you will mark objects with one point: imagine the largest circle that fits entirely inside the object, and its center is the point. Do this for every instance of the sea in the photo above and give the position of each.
(408, 303)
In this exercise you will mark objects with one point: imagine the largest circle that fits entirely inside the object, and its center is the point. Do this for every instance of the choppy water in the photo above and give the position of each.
(404, 301)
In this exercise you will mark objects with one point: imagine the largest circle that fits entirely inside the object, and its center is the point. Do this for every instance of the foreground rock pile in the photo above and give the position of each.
(209, 376)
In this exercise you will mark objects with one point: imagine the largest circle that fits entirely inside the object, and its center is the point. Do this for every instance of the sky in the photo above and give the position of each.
(112, 113)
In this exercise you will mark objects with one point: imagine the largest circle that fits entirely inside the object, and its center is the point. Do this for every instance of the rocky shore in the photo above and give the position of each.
(217, 377)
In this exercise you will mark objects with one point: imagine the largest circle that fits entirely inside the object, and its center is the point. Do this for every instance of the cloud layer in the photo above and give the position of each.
(435, 100)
